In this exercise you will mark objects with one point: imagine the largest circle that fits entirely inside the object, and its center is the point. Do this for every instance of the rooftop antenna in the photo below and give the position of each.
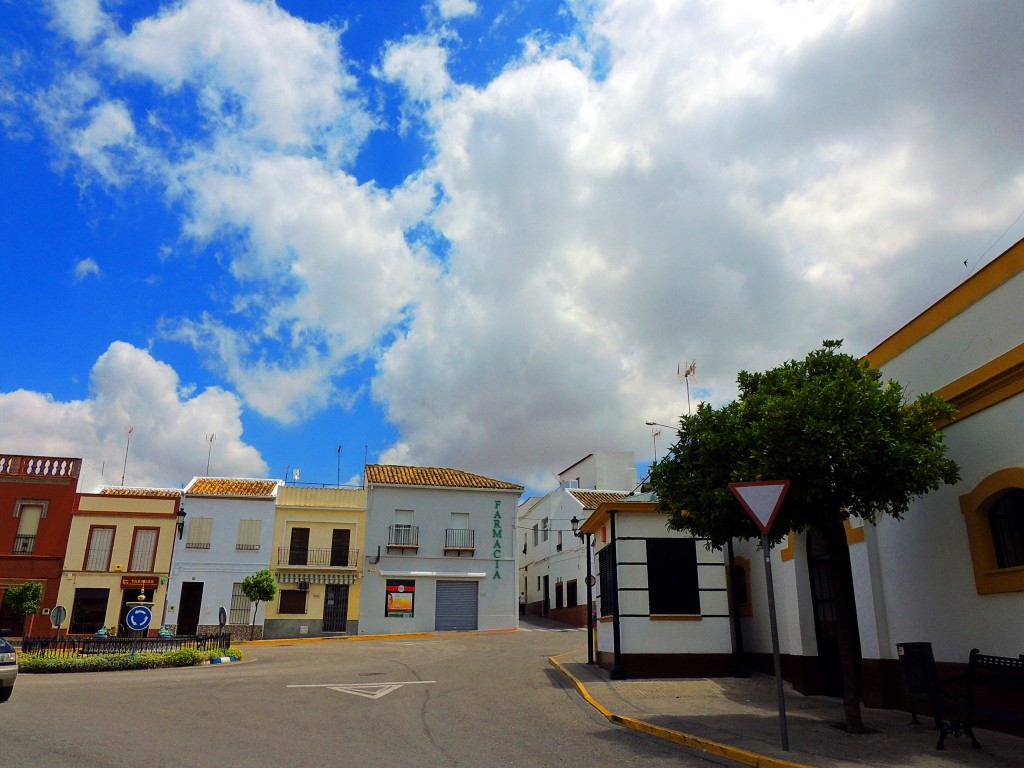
(339, 466)
(296, 473)
(128, 445)
(210, 438)
(685, 376)
(655, 434)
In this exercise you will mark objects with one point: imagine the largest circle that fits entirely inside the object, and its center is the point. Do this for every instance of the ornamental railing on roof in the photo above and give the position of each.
(39, 466)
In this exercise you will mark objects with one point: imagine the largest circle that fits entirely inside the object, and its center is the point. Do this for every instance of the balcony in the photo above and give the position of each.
(24, 545)
(459, 540)
(325, 557)
(404, 537)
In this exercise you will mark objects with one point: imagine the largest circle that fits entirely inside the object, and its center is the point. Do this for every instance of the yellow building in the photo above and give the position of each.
(316, 562)
(118, 554)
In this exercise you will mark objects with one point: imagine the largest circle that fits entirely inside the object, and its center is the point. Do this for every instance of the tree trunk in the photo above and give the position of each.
(847, 630)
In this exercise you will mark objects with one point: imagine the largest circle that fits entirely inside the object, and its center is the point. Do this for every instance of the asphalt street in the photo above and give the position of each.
(444, 701)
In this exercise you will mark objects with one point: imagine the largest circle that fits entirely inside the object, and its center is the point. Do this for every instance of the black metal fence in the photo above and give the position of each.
(81, 646)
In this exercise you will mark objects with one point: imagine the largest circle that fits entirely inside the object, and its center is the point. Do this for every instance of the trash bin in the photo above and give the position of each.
(918, 665)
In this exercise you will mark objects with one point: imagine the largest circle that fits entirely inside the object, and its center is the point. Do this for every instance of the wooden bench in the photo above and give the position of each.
(992, 689)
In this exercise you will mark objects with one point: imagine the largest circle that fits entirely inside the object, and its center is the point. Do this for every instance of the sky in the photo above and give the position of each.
(251, 239)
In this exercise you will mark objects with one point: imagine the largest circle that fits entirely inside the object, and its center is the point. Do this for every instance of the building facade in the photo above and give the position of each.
(663, 602)
(552, 562)
(37, 496)
(440, 551)
(227, 535)
(315, 559)
(118, 556)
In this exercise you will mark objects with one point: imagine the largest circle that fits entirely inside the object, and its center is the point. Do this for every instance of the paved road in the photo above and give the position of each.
(447, 701)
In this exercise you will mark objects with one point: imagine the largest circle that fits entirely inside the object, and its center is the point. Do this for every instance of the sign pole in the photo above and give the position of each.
(762, 499)
(783, 729)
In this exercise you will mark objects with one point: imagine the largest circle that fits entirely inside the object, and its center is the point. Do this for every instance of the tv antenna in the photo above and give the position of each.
(128, 444)
(211, 439)
(684, 376)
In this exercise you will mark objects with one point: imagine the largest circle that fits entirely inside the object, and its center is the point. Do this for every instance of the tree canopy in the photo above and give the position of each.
(849, 443)
(259, 587)
(24, 599)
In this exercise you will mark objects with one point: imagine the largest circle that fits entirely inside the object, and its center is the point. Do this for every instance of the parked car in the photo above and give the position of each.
(8, 666)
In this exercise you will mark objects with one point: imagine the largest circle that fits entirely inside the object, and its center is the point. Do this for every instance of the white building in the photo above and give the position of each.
(440, 551)
(662, 598)
(552, 566)
(229, 527)
(951, 572)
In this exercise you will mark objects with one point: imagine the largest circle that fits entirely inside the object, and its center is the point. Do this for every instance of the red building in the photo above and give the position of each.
(37, 496)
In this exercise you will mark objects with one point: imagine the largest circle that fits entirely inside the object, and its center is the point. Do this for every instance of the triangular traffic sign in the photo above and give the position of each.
(762, 499)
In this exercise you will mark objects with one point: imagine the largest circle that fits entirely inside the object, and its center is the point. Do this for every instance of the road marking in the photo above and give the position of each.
(366, 690)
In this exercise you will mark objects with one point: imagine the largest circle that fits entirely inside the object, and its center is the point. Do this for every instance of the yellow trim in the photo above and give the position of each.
(978, 286)
(992, 383)
(853, 535)
(735, 754)
(787, 552)
(989, 578)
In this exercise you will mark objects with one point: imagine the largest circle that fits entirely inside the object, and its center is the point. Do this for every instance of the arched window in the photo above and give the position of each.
(1006, 516)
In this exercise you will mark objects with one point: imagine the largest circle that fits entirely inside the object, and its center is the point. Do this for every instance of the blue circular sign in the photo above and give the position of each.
(138, 617)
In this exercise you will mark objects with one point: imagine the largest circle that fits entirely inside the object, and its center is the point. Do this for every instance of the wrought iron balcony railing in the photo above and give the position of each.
(404, 536)
(317, 556)
(459, 538)
(24, 544)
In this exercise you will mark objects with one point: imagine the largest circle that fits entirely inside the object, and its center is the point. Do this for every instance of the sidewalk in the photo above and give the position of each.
(738, 718)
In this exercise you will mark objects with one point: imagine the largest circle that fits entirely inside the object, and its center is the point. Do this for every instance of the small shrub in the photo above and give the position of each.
(34, 663)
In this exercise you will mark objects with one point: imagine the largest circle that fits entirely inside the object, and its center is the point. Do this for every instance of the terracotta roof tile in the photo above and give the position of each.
(438, 477)
(232, 486)
(591, 499)
(149, 493)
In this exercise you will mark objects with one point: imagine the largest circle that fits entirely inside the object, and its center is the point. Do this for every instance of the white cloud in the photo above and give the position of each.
(86, 267)
(129, 388)
(727, 182)
(450, 9)
(80, 20)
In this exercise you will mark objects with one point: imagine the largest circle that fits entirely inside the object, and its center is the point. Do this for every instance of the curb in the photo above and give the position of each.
(736, 754)
(357, 638)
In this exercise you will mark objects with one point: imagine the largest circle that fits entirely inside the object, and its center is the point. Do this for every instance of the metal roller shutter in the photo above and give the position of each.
(456, 606)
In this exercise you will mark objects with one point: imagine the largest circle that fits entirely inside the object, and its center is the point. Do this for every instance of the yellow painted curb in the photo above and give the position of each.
(742, 756)
(350, 638)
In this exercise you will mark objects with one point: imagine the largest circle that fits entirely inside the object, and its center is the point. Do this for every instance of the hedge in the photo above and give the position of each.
(186, 657)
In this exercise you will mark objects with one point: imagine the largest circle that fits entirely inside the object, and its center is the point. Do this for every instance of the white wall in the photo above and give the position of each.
(220, 566)
(432, 508)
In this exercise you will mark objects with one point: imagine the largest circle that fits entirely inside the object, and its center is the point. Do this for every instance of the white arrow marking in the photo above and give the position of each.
(366, 690)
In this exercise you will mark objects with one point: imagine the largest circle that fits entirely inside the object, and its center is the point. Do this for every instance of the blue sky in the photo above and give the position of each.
(470, 234)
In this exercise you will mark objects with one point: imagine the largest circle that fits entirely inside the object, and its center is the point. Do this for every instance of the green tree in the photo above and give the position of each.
(259, 588)
(850, 444)
(24, 600)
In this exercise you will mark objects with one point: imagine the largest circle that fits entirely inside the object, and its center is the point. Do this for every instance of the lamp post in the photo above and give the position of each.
(585, 537)
(180, 514)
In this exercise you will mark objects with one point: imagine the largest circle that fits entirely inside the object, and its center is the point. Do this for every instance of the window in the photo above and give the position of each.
(298, 550)
(199, 530)
(536, 534)
(544, 529)
(249, 534)
(1006, 517)
(558, 542)
(672, 586)
(460, 535)
(340, 541)
(29, 513)
(992, 515)
(403, 533)
(609, 603)
(240, 605)
(143, 550)
(293, 601)
(88, 610)
(98, 549)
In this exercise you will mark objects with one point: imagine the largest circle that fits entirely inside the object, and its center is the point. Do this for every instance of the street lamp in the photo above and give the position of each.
(585, 538)
(656, 424)
(180, 514)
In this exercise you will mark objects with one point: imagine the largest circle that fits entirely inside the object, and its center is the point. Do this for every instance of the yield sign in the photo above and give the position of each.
(762, 499)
